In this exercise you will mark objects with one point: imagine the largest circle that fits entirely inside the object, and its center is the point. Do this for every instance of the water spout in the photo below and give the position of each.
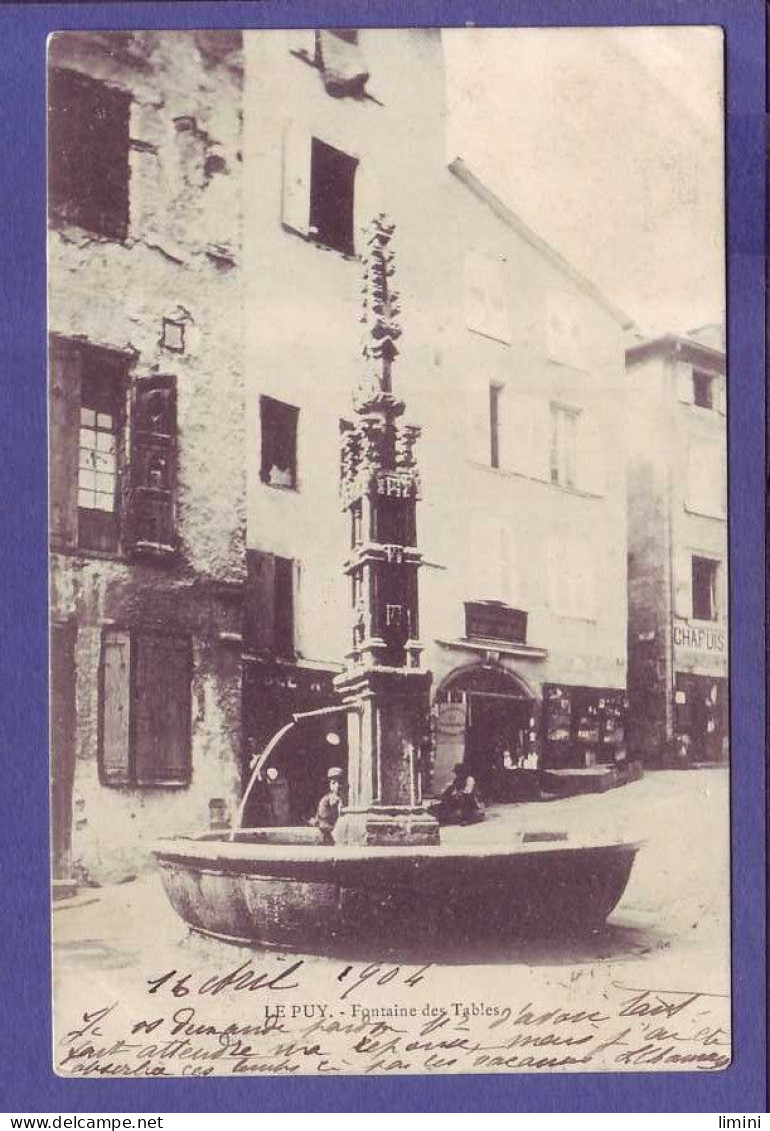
(268, 750)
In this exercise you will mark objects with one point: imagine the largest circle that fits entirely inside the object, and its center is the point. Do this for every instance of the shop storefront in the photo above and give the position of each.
(583, 726)
(700, 691)
(486, 719)
(700, 718)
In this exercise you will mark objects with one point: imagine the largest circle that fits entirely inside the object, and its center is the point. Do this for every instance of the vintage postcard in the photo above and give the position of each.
(388, 551)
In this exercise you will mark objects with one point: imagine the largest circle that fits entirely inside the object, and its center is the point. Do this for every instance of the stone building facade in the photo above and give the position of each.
(511, 363)
(208, 198)
(678, 569)
(147, 500)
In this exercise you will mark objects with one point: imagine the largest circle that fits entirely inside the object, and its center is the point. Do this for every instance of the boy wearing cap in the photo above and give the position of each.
(328, 810)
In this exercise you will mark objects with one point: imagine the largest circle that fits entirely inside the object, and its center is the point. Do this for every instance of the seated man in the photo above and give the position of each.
(459, 804)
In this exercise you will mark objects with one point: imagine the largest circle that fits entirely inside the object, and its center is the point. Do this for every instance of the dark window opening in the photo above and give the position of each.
(705, 574)
(279, 443)
(101, 422)
(702, 389)
(332, 176)
(88, 138)
(495, 395)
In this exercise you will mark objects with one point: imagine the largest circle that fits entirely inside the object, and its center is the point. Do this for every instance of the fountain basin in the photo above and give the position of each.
(282, 887)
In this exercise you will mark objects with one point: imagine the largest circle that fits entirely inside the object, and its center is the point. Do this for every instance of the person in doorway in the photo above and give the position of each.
(459, 803)
(328, 811)
(279, 807)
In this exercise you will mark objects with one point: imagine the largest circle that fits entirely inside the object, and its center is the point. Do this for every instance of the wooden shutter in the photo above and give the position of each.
(65, 365)
(115, 708)
(590, 454)
(162, 707)
(152, 493)
(259, 606)
(683, 584)
(296, 179)
(284, 607)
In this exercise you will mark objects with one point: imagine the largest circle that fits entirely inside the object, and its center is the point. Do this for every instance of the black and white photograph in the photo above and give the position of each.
(388, 392)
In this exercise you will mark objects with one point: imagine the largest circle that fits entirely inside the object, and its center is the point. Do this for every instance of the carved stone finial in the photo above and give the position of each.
(380, 311)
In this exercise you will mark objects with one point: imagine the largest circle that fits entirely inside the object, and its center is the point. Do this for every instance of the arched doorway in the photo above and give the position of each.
(482, 711)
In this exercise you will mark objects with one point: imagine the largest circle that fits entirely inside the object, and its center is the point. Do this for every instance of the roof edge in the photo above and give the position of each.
(468, 178)
(677, 343)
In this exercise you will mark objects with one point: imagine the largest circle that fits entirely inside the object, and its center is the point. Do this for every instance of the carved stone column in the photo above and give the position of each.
(383, 679)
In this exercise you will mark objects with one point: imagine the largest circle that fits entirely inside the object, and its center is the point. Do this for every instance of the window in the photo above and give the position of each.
(279, 443)
(100, 499)
(102, 393)
(332, 176)
(705, 576)
(564, 428)
(97, 464)
(145, 709)
(702, 389)
(88, 138)
(269, 620)
(486, 305)
(495, 395)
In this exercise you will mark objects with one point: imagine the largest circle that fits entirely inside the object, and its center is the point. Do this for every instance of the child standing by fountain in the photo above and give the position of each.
(328, 811)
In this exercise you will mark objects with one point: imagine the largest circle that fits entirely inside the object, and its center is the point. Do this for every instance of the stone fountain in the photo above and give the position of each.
(387, 878)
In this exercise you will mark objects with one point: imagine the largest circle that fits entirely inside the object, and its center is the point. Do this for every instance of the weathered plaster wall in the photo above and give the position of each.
(181, 261)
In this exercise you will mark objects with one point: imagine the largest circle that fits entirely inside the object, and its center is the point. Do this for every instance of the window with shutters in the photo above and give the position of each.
(145, 709)
(88, 140)
(278, 421)
(332, 179)
(103, 496)
(269, 611)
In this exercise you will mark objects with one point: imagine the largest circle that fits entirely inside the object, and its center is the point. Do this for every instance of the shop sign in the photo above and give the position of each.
(700, 639)
(495, 621)
(700, 647)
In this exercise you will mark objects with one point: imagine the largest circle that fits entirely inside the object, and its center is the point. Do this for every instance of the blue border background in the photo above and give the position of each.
(25, 1038)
